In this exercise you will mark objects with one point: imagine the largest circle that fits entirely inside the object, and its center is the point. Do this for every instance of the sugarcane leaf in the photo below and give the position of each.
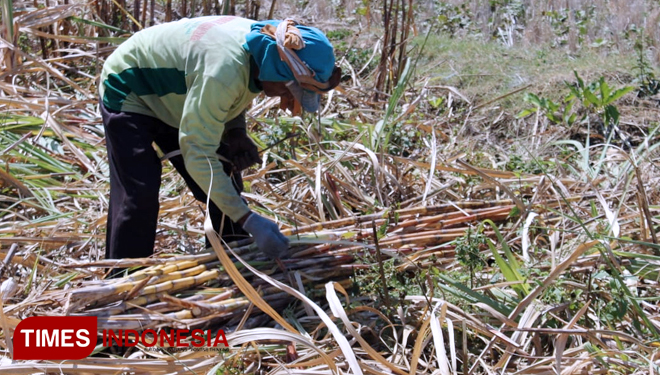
(10, 122)
(511, 267)
(470, 295)
(33, 275)
(98, 24)
(66, 279)
(7, 7)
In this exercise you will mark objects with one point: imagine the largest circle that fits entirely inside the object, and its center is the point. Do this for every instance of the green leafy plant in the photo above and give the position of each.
(468, 251)
(648, 84)
(399, 284)
(584, 104)
(561, 23)
(551, 110)
(598, 97)
(517, 163)
(453, 18)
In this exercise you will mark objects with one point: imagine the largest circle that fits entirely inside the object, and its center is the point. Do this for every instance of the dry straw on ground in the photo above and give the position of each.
(570, 278)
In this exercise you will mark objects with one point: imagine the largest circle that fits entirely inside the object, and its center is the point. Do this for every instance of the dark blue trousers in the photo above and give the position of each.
(135, 178)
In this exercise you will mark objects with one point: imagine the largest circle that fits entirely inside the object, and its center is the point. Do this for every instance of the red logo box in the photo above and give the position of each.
(55, 337)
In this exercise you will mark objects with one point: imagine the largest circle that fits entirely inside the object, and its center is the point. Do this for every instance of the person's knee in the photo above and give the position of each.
(142, 200)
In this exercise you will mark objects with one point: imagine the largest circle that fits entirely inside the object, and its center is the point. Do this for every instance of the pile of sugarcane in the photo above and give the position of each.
(196, 291)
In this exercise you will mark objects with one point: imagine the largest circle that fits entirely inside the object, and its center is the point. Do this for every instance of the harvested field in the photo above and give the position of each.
(462, 203)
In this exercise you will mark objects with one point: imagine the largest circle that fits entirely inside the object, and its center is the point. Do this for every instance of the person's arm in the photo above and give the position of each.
(200, 132)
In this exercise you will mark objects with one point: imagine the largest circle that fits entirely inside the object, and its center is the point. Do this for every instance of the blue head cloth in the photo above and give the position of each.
(318, 54)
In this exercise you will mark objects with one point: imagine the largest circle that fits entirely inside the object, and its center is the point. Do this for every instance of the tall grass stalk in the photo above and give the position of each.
(8, 33)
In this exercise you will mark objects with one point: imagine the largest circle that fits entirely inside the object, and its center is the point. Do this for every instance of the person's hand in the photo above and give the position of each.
(267, 235)
(238, 148)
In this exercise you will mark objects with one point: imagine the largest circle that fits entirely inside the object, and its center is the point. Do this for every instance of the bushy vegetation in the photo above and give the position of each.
(484, 185)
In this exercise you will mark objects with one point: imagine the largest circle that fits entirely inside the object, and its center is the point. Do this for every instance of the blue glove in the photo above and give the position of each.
(267, 235)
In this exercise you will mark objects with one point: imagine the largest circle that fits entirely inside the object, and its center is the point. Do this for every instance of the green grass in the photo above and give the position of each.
(484, 70)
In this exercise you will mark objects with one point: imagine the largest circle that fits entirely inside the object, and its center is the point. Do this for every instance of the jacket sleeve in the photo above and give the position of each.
(202, 125)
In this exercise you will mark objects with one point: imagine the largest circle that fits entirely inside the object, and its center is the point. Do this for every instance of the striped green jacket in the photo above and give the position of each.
(194, 75)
